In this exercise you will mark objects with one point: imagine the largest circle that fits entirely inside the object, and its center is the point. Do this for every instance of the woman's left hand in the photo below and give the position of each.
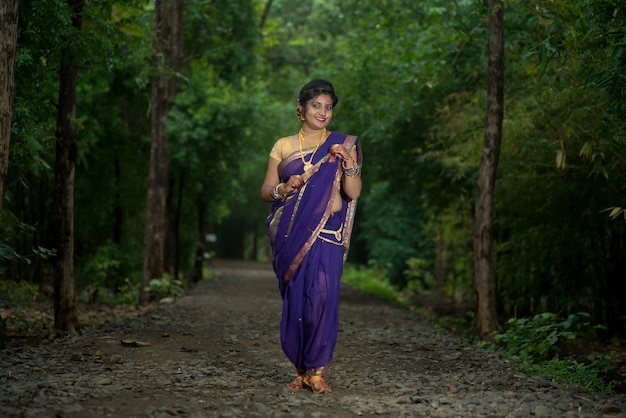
(340, 151)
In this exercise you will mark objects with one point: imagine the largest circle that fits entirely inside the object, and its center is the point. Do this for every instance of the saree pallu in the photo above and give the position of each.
(309, 245)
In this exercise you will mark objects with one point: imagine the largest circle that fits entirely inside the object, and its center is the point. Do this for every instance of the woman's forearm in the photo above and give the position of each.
(352, 186)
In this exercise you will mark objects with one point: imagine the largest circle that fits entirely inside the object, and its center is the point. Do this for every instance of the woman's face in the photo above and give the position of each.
(319, 112)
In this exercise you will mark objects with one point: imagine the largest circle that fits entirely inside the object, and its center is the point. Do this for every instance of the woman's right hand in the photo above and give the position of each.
(293, 184)
(340, 151)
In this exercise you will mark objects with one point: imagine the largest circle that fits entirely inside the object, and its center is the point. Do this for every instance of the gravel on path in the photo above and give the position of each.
(216, 353)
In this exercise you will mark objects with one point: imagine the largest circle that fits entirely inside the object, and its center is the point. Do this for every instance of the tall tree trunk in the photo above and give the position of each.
(484, 277)
(156, 213)
(167, 57)
(65, 317)
(172, 246)
(8, 46)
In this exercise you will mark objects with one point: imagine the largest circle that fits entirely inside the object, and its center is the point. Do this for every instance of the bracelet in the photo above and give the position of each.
(352, 171)
(275, 194)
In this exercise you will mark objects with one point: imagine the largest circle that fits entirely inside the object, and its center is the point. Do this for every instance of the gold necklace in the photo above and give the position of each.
(305, 134)
(308, 164)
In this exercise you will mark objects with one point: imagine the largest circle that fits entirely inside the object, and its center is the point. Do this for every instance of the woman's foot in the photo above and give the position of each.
(317, 383)
(297, 383)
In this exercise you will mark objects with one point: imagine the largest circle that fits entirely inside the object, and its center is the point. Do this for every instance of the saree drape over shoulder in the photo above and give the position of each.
(309, 247)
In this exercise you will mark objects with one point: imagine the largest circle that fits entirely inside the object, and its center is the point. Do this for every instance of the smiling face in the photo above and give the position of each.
(318, 112)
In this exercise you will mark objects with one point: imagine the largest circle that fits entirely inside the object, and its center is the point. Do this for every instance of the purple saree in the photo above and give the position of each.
(309, 246)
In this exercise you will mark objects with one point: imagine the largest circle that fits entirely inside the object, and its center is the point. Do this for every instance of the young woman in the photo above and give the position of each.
(314, 179)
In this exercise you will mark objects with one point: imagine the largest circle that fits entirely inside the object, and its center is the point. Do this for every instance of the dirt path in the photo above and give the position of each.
(216, 353)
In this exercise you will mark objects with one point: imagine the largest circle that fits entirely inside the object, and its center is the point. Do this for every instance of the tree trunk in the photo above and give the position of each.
(8, 46)
(266, 12)
(484, 278)
(200, 246)
(65, 316)
(156, 213)
(174, 208)
(177, 44)
(118, 213)
(172, 261)
(167, 57)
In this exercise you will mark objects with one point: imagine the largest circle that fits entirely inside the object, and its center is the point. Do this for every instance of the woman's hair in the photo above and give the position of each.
(314, 88)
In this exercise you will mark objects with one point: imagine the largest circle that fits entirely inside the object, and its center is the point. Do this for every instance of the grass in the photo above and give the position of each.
(370, 281)
(569, 371)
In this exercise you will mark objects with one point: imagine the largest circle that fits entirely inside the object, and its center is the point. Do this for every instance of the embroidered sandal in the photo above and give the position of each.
(296, 384)
(316, 383)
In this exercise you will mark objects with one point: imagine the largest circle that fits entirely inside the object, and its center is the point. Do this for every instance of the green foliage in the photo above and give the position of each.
(534, 344)
(419, 273)
(223, 34)
(164, 286)
(555, 244)
(16, 313)
(103, 267)
(128, 293)
(212, 147)
(569, 371)
(616, 212)
(386, 223)
(13, 232)
(20, 294)
(370, 281)
(537, 338)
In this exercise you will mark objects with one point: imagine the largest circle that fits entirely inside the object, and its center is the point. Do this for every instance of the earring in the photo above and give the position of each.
(299, 115)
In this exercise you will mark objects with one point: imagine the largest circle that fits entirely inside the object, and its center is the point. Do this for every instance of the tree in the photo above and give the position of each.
(65, 316)
(166, 59)
(8, 46)
(484, 278)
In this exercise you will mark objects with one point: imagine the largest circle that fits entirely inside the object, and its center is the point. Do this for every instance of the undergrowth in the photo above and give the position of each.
(534, 345)
(26, 313)
(370, 281)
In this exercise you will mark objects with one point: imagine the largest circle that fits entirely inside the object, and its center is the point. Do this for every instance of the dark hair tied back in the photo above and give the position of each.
(316, 87)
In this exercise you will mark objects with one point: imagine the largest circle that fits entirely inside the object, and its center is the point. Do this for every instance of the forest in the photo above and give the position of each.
(135, 135)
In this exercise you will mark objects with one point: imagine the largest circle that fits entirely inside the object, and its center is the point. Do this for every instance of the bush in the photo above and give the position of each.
(165, 286)
(107, 267)
(128, 293)
(538, 338)
(20, 294)
(370, 281)
(533, 343)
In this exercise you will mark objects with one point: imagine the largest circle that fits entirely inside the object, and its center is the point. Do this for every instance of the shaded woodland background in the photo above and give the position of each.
(411, 77)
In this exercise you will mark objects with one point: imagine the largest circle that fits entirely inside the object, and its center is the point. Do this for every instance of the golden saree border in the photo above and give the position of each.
(348, 222)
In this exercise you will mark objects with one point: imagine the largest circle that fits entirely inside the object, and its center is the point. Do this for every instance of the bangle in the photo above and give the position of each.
(275, 194)
(352, 171)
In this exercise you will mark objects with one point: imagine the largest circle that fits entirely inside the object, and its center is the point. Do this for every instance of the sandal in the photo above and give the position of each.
(296, 384)
(317, 383)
